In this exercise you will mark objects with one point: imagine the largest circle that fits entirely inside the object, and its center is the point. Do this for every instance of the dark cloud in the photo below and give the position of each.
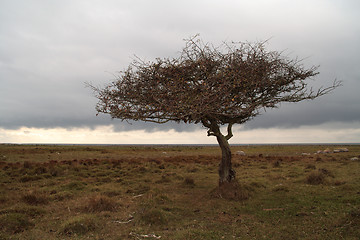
(50, 48)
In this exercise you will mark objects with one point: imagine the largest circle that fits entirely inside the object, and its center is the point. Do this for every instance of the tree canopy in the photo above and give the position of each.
(226, 84)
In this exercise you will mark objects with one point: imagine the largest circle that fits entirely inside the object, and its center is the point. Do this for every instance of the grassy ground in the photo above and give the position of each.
(81, 192)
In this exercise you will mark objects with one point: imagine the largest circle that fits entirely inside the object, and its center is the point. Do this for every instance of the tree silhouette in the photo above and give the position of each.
(214, 86)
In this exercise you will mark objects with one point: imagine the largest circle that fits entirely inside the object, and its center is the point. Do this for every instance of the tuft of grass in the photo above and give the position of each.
(310, 166)
(40, 170)
(164, 179)
(79, 225)
(35, 198)
(29, 178)
(233, 191)
(162, 199)
(56, 171)
(74, 186)
(100, 203)
(315, 178)
(326, 172)
(153, 217)
(27, 164)
(189, 181)
(280, 188)
(140, 189)
(277, 164)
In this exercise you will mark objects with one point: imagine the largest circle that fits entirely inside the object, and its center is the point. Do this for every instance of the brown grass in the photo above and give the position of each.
(35, 198)
(77, 192)
(100, 203)
(233, 191)
(315, 178)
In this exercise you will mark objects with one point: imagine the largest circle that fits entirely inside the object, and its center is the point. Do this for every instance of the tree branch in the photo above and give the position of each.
(212, 85)
(229, 131)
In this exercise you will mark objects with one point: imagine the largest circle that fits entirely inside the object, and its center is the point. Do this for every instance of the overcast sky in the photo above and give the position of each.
(48, 49)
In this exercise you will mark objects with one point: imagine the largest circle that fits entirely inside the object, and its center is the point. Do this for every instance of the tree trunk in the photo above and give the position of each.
(226, 173)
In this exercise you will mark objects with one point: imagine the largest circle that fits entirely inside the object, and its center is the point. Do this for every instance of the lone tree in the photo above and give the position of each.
(214, 86)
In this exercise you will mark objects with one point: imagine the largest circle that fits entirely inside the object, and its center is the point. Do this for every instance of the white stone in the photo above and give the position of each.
(241, 153)
(327, 150)
(341, 150)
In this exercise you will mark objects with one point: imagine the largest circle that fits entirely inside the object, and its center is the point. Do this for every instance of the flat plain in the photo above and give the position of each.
(170, 192)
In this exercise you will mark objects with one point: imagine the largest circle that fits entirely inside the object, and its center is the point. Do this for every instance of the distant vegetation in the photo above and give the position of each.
(129, 192)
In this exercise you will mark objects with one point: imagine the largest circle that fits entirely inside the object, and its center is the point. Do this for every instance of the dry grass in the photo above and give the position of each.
(35, 198)
(315, 178)
(99, 203)
(81, 192)
(233, 191)
(79, 225)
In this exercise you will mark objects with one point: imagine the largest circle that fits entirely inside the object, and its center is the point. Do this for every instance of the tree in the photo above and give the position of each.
(214, 86)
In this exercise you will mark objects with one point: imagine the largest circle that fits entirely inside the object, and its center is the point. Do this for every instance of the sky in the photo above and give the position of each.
(50, 49)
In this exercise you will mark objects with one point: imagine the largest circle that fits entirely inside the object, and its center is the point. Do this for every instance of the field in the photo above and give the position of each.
(170, 192)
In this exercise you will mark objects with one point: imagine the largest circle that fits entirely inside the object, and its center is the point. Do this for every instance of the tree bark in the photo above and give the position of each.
(226, 173)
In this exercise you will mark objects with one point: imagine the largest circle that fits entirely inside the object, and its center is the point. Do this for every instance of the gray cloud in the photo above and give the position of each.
(50, 48)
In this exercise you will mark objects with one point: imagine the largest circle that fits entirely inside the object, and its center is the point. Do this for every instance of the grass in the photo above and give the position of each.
(139, 192)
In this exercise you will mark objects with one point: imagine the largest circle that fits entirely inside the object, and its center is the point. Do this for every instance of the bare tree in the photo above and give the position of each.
(214, 86)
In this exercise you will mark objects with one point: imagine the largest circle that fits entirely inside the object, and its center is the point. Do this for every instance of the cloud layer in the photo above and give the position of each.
(50, 48)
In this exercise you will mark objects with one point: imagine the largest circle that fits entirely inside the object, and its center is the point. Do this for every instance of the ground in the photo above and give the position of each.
(170, 192)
